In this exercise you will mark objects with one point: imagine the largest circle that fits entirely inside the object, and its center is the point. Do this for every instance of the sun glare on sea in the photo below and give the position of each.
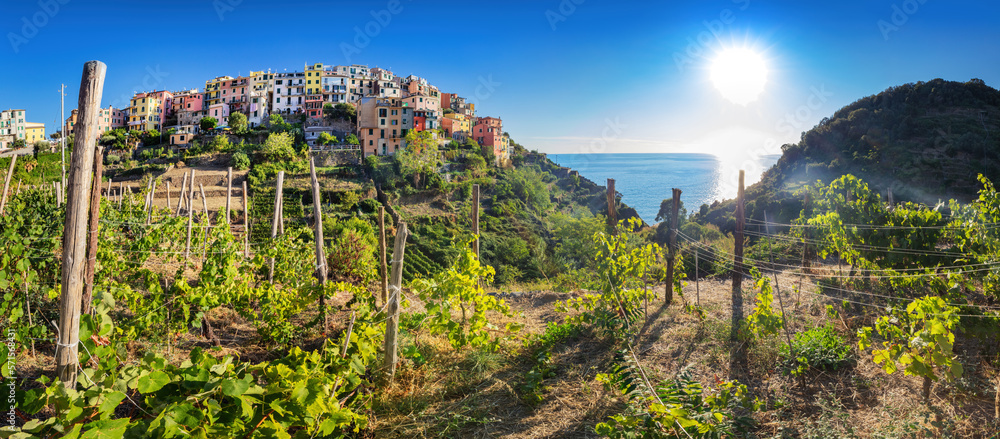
(739, 74)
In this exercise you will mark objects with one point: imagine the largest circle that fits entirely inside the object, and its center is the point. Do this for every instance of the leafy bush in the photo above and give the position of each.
(241, 161)
(818, 348)
(112, 159)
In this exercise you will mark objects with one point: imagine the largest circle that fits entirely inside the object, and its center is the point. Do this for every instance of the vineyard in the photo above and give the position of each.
(308, 312)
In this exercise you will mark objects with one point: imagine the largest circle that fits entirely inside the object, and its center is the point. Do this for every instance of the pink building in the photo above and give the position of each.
(190, 100)
(488, 131)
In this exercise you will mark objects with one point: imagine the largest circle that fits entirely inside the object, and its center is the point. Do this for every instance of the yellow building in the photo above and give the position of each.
(144, 113)
(213, 90)
(314, 79)
(34, 132)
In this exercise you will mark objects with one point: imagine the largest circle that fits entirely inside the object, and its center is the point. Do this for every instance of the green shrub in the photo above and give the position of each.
(112, 159)
(818, 348)
(241, 161)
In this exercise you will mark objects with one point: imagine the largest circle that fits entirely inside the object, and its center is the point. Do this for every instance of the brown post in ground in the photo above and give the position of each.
(395, 286)
(187, 247)
(169, 202)
(151, 196)
(208, 222)
(180, 198)
(6, 182)
(475, 218)
(381, 244)
(672, 247)
(95, 216)
(109, 188)
(246, 223)
(612, 211)
(121, 193)
(276, 217)
(75, 228)
(738, 359)
(320, 251)
(229, 192)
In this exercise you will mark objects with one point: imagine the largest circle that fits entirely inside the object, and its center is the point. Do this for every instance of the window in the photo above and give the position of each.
(371, 131)
(382, 134)
(381, 122)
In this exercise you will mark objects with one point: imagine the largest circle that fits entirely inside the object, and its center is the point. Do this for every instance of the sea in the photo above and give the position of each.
(646, 179)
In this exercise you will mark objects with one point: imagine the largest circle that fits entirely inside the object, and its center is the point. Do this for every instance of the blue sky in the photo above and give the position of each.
(564, 75)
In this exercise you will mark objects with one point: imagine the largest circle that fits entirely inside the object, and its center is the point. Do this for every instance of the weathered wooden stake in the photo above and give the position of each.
(697, 279)
(612, 211)
(381, 244)
(207, 225)
(6, 182)
(180, 198)
(149, 207)
(475, 218)
(276, 217)
(121, 193)
(109, 187)
(187, 246)
(75, 228)
(672, 249)
(18, 191)
(246, 223)
(739, 354)
(318, 235)
(169, 202)
(229, 192)
(95, 216)
(347, 338)
(395, 286)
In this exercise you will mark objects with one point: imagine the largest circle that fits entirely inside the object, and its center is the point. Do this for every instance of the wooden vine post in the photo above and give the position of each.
(612, 211)
(6, 182)
(229, 192)
(95, 216)
(381, 245)
(149, 206)
(320, 251)
(168, 198)
(395, 285)
(187, 247)
(672, 247)
(180, 197)
(739, 354)
(75, 228)
(475, 218)
(246, 223)
(276, 217)
(208, 222)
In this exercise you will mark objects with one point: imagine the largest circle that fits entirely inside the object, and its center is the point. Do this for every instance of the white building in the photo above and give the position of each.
(12, 127)
(289, 92)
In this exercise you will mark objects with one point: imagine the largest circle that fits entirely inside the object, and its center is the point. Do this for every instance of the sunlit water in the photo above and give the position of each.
(645, 180)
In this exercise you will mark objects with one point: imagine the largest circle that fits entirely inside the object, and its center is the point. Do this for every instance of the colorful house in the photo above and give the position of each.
(12, 127)
(382, 125)
(145, 112)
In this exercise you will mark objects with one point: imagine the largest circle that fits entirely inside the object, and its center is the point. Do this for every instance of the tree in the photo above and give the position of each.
(419, 157)
(277, 124)
(351, 139)
(208, 123)
(151, 137)
(344, 111)
(18, 144)
(238, 123)
(39, 146)
(326, 139)
(328, 109)
(278, 147)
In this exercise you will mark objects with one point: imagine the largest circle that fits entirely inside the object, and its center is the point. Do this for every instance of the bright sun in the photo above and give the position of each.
(739, 74)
